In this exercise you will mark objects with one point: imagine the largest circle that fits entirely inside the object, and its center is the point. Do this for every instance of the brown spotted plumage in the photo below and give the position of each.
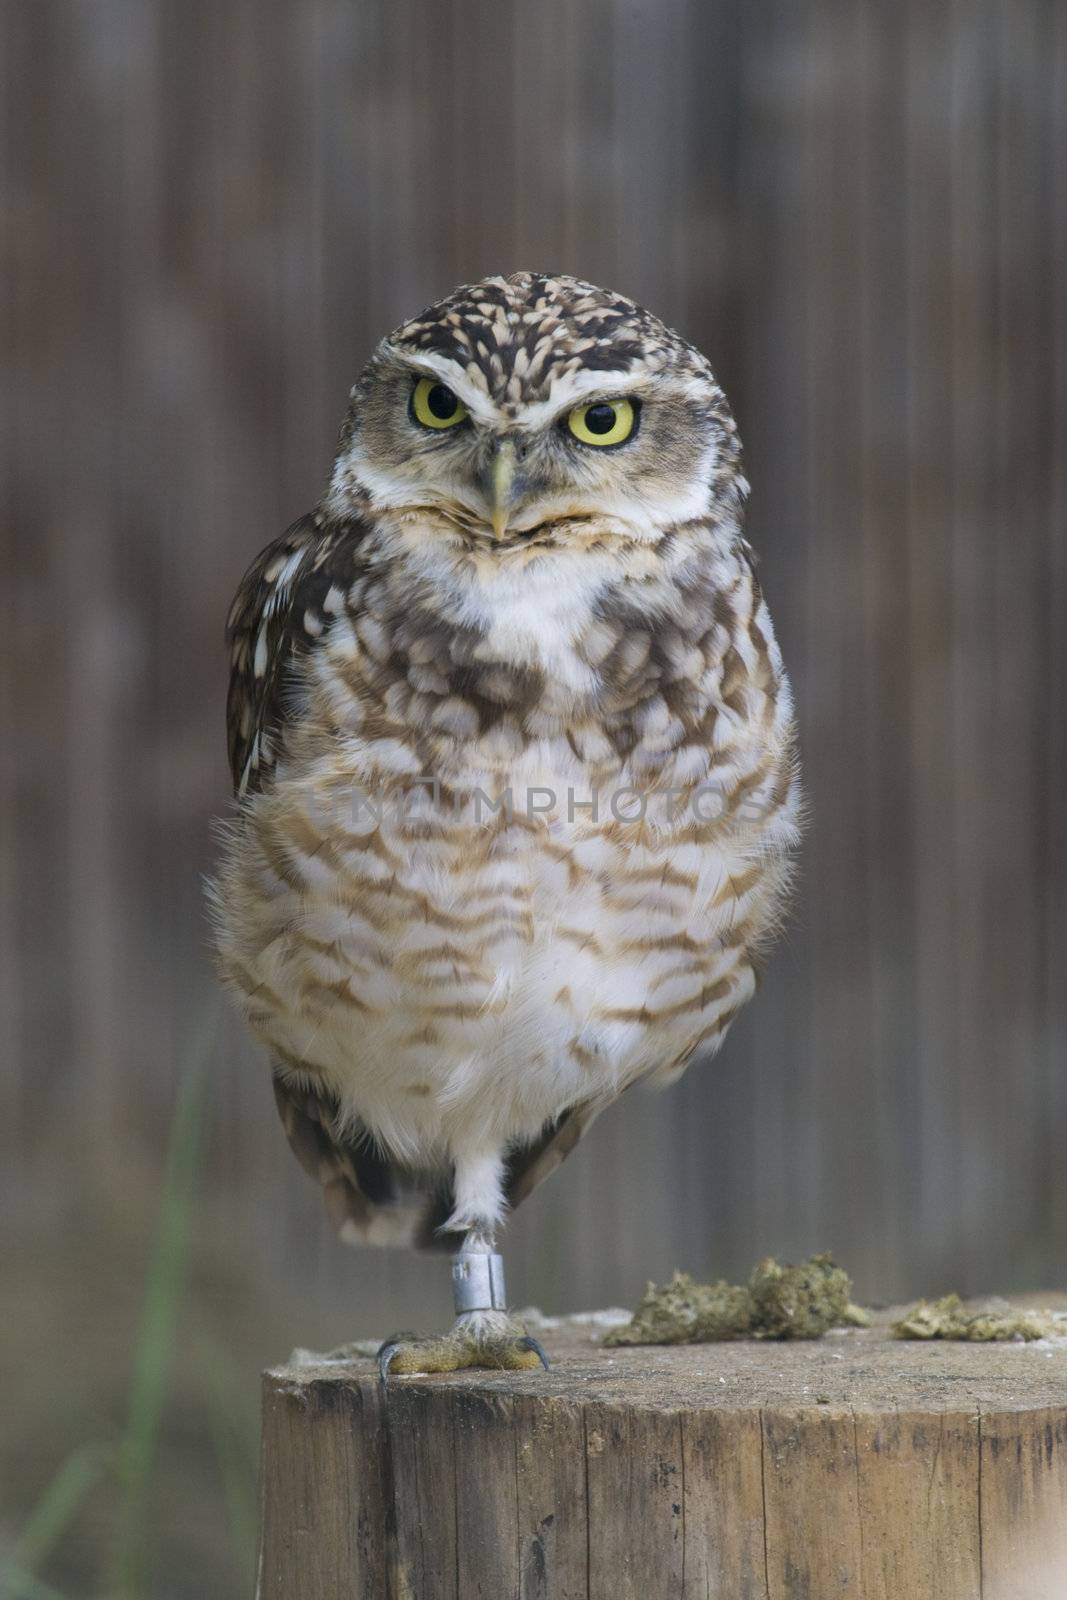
(514, 757)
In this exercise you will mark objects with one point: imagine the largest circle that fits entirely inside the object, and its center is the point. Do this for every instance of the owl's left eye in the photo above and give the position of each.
(435, 406)
(603, 422)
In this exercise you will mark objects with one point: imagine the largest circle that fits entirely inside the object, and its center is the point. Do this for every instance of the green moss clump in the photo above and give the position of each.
(800, 1302)
(948, 1318)
(686, 1312)
(777, 1303)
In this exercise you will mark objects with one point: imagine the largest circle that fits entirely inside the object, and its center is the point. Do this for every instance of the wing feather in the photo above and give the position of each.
(280, 610)
(529, 1166)
(369, 1199)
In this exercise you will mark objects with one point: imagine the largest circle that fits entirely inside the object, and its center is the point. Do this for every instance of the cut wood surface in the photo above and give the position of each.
(855, 1466)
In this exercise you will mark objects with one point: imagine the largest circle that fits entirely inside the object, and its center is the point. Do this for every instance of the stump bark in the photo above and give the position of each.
(857, 1466)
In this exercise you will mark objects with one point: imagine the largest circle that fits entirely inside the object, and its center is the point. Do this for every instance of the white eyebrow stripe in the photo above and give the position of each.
(575, 387)
(450, 372)
(565, 392)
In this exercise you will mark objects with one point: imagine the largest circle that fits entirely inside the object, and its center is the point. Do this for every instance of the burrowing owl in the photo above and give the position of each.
(514, 759)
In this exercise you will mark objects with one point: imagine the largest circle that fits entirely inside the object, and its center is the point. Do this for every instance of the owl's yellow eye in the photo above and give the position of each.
(435, 406)
(603, 422)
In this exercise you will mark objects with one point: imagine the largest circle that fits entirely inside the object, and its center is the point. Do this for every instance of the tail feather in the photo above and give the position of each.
(369, 1199)
(372, 1200)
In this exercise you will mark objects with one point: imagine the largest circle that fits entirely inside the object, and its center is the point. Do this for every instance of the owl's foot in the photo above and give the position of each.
(478, 1339)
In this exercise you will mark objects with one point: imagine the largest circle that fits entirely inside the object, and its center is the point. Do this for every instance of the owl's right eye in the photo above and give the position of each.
(433, 405)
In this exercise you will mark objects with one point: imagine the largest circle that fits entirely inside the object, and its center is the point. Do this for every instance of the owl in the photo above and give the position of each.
(515, 771)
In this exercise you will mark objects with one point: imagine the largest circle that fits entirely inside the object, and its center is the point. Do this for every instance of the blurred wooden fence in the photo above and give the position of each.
(860, 212)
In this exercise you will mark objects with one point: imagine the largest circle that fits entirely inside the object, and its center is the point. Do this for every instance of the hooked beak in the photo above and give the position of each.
(502, 479)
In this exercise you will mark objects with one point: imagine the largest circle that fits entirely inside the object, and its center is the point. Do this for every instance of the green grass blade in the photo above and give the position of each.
(56, 1508)
(18, 1584)
(166, 1276)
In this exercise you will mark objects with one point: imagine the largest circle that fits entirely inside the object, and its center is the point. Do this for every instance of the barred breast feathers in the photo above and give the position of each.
(410, 658)
(405, 972)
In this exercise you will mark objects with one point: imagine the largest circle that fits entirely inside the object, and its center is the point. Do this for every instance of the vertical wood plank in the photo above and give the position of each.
(919, 1471)
(811, 1491)
(1022, 410)
(424, 1514)
(942, 612)
(1052, 892)
(634, 1468)
(324, 1477)
(550, 1475)
(487, 1521)
(722, 1459)
(1024, 1506)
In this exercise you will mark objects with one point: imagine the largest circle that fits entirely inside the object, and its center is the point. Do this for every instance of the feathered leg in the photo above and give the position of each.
(483, 1334)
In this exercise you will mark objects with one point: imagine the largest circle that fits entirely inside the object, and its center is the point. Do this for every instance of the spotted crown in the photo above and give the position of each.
(516, 336)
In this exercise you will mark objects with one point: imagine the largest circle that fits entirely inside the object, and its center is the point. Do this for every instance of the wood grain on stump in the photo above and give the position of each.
(857, 1466)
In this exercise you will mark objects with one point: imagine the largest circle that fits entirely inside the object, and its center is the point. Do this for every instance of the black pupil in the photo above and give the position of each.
(600, 418)
(441, 402)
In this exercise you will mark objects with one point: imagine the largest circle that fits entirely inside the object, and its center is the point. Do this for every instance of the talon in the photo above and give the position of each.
(385, 1356)
(530, 1343)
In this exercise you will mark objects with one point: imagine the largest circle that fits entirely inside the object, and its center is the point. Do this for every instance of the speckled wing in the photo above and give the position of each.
(283, 606)
(278, 613)
(369, 1200)
(528, 1167)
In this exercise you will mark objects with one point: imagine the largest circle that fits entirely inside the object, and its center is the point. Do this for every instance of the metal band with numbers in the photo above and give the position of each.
(478, 1281)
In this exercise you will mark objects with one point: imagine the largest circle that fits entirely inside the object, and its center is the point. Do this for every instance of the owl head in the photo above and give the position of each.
(523, 407)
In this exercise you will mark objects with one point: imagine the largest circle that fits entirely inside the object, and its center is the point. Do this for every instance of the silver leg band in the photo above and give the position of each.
(478, 1282)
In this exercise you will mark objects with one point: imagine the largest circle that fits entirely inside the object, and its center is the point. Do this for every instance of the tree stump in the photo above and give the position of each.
(856, 1466)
